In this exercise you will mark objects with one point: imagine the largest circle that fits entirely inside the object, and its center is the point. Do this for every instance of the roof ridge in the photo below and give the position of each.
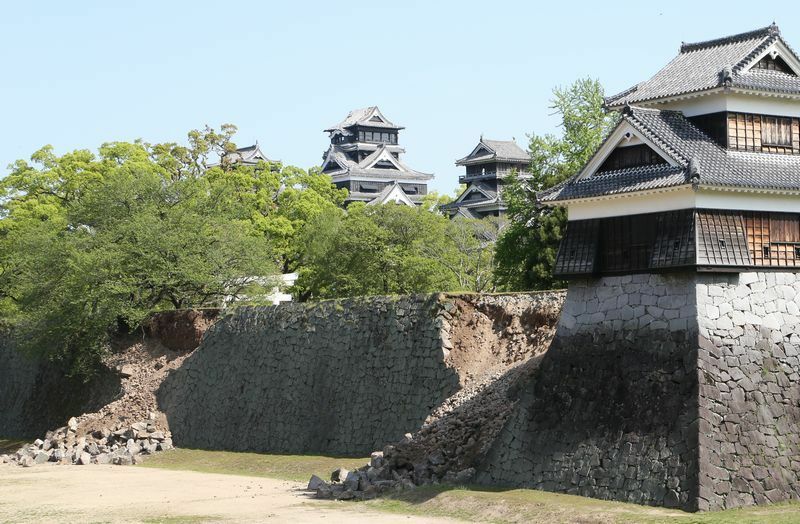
(770, 30)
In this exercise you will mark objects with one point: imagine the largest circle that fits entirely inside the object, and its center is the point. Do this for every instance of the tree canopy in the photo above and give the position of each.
(90, 242)
(393, 249)
(527, 248)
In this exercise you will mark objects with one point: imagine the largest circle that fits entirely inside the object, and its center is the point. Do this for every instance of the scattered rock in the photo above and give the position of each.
(315, 483)
(339, 475)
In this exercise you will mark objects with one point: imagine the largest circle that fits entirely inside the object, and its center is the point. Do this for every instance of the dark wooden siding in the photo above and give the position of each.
(627, 244)
(674, 243)
(715, 125)
(631, 156)
(578, 250)
(708, 239)
(721, 239)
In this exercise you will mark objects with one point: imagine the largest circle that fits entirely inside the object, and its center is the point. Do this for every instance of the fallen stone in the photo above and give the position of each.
(315, 483)
(84, 459)
(41, 457)
(376, 459)
(351, 481)
(126, 371)
(339, 475)
(72, 424)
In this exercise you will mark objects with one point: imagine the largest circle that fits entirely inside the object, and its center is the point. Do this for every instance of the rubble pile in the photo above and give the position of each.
(121, 445)
(129, 427)
(445, 450)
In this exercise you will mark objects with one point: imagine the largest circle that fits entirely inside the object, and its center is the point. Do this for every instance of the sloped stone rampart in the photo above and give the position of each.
(672, 390)
(749, 375)
(610, 410)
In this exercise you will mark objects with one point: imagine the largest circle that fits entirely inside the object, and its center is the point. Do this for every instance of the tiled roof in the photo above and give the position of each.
(712, 64)
(349, 168)
(700, 161)
(364, 117)
(490, 196)
(499, 150)
(507, 149)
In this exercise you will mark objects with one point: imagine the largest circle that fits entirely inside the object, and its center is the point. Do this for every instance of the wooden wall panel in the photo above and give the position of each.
(745, 134)
(773, 238)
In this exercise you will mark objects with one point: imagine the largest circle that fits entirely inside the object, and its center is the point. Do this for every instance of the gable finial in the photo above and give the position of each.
(628, 109)
(774, 29)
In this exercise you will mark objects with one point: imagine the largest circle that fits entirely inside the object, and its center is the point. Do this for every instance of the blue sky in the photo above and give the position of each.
(76, 74)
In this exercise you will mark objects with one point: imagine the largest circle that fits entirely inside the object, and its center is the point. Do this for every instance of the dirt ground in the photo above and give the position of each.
(130, 494)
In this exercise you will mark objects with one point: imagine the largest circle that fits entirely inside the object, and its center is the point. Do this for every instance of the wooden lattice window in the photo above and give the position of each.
(776, 131)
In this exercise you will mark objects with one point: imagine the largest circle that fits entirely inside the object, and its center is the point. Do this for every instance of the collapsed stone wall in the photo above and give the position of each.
(36, 395)
(749, 427)
(347, 376)
(611, 411)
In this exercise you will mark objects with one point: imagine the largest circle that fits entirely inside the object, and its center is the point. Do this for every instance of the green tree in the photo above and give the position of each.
(527, 248)
(93, 242)
(370, 250)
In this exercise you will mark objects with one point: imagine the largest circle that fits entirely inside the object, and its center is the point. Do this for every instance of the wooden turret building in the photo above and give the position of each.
(677, 353)
(364, 158)
(489, 163)
(703, 170)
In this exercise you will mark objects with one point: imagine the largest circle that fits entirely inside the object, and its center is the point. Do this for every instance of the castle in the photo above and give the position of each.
(487, 167)
(364, 158)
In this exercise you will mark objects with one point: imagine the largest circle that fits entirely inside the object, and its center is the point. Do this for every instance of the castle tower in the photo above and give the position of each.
(487, 167)
(364, 158)
(674, 377)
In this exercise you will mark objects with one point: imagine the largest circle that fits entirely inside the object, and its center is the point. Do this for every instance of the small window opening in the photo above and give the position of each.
(766, 251)
(722, 243)
(796, 251)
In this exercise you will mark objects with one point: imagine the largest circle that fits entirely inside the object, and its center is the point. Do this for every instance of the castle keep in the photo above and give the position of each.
(364, 158)
(673, 377)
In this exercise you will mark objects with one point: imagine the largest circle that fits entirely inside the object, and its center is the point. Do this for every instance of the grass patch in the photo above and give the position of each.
(465, 503)
(9, 446)
(285, 467)
(525, 505)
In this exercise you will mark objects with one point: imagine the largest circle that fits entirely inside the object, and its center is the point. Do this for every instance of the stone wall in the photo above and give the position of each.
(749, 388)
(611, 411)
(341, 377)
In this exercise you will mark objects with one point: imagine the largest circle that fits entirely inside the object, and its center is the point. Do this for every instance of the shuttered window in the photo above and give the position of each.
(776, 131)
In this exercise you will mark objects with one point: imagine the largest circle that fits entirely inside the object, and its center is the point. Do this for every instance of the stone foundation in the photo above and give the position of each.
(675, 390)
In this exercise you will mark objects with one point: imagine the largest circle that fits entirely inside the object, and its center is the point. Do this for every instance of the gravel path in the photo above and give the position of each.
(98, 493)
